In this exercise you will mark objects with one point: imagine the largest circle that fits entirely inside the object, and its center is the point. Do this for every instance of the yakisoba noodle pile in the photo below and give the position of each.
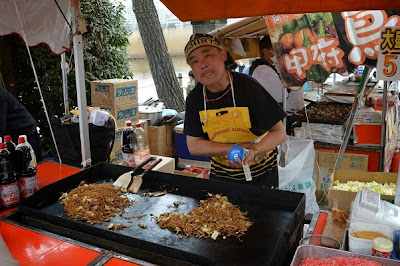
(215, 216)
(94, 203)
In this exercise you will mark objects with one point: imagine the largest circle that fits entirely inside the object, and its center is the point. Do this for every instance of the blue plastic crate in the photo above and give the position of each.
(182, 149)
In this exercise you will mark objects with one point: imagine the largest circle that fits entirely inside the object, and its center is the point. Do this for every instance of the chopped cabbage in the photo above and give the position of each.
(356, 186)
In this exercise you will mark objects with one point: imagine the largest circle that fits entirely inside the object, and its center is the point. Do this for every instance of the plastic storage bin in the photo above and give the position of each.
(182, 149)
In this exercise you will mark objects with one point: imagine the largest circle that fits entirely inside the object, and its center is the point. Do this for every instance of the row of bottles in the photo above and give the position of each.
(135, 144)
(18, 178)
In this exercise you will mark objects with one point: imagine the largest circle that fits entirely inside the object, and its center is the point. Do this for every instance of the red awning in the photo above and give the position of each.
(194, 10)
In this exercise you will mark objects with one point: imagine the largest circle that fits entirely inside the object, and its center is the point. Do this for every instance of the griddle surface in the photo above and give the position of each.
(275, 215)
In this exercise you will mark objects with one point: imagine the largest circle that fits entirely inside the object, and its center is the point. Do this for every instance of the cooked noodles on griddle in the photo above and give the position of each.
(214, 216)
(94, 203)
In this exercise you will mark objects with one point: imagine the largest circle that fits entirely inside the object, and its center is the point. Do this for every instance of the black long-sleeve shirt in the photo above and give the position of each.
(14, 117)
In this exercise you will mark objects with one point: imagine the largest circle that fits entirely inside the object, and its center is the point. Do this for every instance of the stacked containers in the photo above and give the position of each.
(368, 207)
(120, 98)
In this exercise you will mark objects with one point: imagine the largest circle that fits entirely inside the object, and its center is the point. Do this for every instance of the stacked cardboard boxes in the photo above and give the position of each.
(120, 98)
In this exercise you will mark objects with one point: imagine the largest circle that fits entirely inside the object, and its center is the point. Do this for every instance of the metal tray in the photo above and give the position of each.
(309, 251)
(277, 218)
(339, 120)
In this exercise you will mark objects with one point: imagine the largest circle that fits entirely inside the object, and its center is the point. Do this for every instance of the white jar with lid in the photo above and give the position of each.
(382, 247)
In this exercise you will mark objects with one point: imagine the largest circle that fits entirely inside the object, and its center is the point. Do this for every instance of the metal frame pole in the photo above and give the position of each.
(80, 89)
(356, 103)
(383, 128)
(64, 77)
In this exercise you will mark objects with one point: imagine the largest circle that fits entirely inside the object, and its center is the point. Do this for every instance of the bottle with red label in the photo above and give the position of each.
(9, 191)
(128, 142)
(26, 171)
(10, 146)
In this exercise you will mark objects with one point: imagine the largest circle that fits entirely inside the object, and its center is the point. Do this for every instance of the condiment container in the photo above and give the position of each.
(364, 246)
(382, 247)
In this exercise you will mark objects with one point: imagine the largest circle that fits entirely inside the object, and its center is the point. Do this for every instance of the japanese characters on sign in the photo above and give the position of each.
(324, 52)
(389, 56)
(306, 46)
(359, 34)
(311, 46)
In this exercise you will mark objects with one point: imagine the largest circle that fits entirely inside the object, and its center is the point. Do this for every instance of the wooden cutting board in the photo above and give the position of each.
(334, 228)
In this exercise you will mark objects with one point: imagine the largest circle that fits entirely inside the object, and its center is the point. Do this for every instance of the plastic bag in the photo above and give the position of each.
(296, 169)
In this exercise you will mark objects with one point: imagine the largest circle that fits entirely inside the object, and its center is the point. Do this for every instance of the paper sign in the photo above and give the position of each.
(389, 57)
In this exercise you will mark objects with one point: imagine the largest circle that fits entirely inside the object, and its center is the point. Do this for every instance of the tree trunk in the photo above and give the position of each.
(160, 62)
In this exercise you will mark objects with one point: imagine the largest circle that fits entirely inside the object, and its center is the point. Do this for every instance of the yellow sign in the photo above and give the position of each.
(389, 57)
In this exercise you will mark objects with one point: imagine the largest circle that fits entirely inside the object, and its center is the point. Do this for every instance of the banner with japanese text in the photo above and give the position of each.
(359, 34)
(306, 46)
(312, 46)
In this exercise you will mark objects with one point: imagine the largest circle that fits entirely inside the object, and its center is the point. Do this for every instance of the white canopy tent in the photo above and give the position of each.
(49, 22)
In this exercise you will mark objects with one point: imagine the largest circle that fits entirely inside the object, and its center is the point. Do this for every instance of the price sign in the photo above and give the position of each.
(388, 65)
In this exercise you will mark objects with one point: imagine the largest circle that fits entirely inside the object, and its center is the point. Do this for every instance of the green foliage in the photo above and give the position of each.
(106, 42)
(105, 57)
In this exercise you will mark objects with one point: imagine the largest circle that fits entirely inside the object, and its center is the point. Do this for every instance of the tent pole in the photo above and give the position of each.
(80, 89)
(383, 128)
(284, 96)
(64, 76)
(356, 104)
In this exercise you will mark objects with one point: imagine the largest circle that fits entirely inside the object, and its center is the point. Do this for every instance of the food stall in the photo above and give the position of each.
(46, 235)
(220, 10)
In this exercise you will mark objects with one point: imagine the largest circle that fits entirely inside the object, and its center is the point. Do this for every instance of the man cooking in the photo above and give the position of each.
(226, 108)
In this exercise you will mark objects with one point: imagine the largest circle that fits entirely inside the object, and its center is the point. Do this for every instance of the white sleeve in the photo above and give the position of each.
(270, 81)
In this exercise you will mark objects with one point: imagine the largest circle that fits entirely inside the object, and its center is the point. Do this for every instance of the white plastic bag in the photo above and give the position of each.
(296, 172)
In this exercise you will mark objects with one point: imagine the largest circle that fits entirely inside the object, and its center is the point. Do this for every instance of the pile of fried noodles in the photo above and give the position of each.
(94, 203)
(214, 217)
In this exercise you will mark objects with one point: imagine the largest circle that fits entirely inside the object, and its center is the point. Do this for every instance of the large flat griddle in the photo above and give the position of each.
(276, 216)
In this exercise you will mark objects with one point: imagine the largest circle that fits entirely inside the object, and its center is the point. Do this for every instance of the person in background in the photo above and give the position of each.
(240, 66)
(227, 107)
(15, 120)
(264, 72)
(191, 84)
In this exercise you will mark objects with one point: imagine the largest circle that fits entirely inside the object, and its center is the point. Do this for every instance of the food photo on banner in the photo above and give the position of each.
(312, 46)
(306, 46)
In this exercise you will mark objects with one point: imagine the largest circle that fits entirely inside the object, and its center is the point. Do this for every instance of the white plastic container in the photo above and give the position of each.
(365, 207)
(369, 208)
(364, 246)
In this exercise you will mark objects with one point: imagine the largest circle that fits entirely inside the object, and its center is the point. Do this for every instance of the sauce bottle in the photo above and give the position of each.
(27, 178)
(9, 191)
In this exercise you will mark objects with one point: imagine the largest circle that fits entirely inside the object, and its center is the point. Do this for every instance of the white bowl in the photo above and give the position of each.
(364, 246)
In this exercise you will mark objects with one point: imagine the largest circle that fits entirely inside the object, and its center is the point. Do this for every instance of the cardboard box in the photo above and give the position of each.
(114, 91)
(161, 140)
(118, 158)
(342, 199)
(326, 161)
(196, 175)
(122, 113)
(117, 141)
(368, 117)
(167, 165)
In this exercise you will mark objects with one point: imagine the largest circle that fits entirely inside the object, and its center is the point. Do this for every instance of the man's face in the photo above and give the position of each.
(207, 64)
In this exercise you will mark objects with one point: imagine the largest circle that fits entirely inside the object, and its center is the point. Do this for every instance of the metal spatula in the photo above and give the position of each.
(125, 179)
(137, 180)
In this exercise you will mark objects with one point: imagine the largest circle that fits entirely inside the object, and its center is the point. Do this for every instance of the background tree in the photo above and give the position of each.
(104, 53)
(160, 62)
